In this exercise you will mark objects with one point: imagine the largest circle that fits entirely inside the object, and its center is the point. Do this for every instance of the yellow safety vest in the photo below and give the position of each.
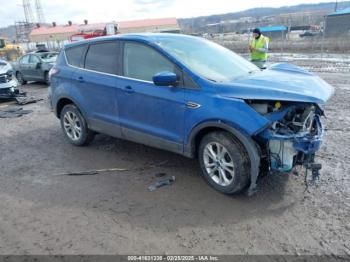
(260, 43)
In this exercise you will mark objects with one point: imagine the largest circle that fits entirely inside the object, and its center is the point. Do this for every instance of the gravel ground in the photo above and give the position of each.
(45, 212)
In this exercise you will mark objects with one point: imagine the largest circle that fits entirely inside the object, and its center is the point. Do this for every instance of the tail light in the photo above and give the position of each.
(53, 71)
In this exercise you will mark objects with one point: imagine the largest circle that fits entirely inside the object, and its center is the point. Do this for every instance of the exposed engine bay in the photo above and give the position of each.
(293, 136)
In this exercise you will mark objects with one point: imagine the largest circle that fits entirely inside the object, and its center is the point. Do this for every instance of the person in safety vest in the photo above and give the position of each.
(258, 48)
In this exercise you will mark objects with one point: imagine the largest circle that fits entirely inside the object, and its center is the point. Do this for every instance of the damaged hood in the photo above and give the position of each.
(4, 67)
(281, 81)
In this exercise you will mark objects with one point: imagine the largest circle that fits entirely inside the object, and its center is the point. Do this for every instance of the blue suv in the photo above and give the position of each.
(191, 96)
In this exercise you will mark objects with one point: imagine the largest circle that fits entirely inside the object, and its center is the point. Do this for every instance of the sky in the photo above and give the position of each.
(60, 11)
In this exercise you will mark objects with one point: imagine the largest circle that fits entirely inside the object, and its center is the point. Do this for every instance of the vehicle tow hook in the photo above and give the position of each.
(315, 174)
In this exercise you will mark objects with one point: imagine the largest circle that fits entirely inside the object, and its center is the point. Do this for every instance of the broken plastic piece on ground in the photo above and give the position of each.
(163, 182)
(11, 95)
(82, 173)
(14, 112)
(91, 172)
(22, 100)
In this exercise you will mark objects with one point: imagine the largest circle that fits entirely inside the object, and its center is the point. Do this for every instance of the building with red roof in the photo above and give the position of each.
(59, 33)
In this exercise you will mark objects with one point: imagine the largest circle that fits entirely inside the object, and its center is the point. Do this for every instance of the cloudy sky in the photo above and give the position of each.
(61, 11)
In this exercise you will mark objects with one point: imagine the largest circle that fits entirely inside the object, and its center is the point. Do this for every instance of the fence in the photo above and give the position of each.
(51, 45)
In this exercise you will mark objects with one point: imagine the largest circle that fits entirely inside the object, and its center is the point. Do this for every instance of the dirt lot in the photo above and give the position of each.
(44, 212)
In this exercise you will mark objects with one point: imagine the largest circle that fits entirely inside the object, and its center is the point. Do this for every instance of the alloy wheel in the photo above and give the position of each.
(72, 125)
(218, 164)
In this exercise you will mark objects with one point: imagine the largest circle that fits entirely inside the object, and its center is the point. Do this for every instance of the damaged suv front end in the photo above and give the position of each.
(293, 135)
(286, 107)
(291, 99)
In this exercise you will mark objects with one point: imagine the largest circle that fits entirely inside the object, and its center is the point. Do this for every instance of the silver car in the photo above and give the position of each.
(34, 67)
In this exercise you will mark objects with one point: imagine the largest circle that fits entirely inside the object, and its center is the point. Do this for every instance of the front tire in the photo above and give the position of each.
(20, 78)
(224, 162)
(74, 126)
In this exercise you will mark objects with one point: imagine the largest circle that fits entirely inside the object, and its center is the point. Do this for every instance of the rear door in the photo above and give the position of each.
(149, 114)
(97, 84)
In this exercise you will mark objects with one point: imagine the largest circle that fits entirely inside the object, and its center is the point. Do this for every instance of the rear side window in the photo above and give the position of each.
(103, 57)
(24, 59)
(143, 62)
(75, 55)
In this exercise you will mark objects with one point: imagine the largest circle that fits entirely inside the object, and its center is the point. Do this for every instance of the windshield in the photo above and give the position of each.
(49, 57)
(207, 59)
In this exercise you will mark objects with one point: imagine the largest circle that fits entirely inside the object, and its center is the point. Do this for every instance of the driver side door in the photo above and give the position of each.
(149, 114)
(34, 71)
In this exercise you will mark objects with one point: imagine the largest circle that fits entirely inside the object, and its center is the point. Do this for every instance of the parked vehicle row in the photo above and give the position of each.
(193, 97)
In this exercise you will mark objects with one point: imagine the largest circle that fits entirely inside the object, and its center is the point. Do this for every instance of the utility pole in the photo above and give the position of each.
(39, 12)
(323, 35)
(28, 13)
(336, 6)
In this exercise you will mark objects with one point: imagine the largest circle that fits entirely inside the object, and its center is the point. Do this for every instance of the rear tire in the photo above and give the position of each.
(20, 78)
(74, 126)
(224, 162)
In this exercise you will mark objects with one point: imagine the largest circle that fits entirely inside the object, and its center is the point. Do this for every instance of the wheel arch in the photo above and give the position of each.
(245, 140)
(17, 71)
(63, 101)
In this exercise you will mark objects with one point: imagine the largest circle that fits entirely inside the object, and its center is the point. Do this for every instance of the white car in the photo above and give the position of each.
(8, 82)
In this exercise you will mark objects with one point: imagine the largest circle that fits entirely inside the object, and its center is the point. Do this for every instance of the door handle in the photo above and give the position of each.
(81, 79)
(129, 89)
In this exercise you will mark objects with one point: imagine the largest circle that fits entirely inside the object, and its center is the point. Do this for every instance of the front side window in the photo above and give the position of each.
(142, 62)
(25, 60)
(103, 57)
(75, 54)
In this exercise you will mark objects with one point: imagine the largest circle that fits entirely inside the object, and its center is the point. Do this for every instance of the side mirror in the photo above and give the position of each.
(38, 65)
(165, 79)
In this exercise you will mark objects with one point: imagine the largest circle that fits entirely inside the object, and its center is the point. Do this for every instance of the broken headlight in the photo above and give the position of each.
(9, 75)
(6, 77)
